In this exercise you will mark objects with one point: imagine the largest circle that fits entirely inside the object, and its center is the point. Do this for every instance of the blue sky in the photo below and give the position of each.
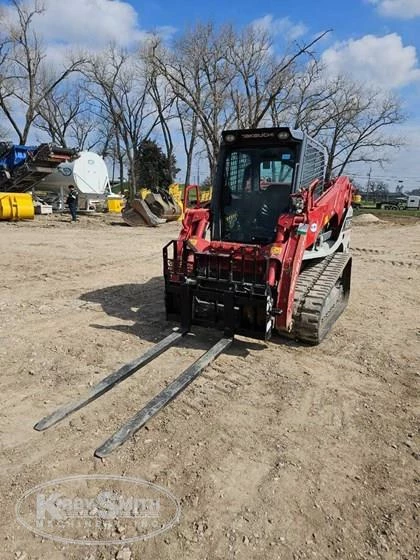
(375, 41)
(348, 18)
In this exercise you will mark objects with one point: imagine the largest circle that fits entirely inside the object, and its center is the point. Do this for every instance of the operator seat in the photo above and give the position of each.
(275, 201)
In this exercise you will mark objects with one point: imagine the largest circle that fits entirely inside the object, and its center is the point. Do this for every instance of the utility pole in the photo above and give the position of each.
(368, 183)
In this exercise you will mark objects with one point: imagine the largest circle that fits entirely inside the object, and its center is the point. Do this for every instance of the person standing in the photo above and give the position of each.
(72, 200)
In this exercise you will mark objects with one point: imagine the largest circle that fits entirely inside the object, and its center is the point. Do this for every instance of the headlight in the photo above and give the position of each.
(284, 135)
(230, 138)
(298, 204)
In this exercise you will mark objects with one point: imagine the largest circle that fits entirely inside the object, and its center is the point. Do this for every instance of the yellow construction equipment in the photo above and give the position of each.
(205, 196)
(356, 200)
(176, 194)
(16, 206)
(115, 204)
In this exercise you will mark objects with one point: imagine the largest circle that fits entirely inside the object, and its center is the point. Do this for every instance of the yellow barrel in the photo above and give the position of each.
(115, 204)
(16, 206)
(356, 199)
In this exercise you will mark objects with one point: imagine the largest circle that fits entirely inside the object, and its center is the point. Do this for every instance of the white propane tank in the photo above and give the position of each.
(88, 173)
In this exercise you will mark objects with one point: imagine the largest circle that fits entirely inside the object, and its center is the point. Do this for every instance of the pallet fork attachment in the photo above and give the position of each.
(154, 406)
(109, 382)
(158, 402)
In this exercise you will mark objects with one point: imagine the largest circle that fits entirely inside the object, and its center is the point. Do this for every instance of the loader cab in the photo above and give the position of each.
(257, 172)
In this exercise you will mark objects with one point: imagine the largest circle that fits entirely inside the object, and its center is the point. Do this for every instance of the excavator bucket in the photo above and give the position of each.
(137, 213)
(163, 205)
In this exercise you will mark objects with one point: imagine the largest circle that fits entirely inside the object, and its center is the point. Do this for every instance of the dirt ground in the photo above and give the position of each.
(278, 451)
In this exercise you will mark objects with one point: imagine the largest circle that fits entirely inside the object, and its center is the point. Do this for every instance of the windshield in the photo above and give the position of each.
(256, 190)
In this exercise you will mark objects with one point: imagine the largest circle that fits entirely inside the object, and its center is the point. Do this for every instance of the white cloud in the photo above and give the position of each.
(89, 23)
(86, 25)
(382, 61)
(280, 26)
(402, 9)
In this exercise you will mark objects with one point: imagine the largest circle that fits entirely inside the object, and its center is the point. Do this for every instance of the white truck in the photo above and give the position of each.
(409, 202)
(413, 202)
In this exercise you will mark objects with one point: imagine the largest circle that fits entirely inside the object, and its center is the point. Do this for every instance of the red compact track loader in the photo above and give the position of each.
(270, 254)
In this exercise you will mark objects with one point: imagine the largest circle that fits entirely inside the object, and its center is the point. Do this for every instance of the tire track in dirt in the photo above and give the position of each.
(61, 275)
(288, 452)
(390, 261)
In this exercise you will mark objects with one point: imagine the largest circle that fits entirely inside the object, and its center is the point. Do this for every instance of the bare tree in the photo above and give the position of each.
(67, 117)
(200, 75)
(89, 132)
(188, 124)
(226, 79)
(251, 56)
(58, 111)
(27, 80)
(119, 92)
(165, 102)
(352, 121)
(365, 138)
(280, 76)
(170, 106)
(308, 104)
(263, 81)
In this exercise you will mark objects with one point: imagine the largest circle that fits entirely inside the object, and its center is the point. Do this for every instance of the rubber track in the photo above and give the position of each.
(313, 287)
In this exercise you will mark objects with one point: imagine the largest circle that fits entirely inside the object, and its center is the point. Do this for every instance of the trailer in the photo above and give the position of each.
(413, 202)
